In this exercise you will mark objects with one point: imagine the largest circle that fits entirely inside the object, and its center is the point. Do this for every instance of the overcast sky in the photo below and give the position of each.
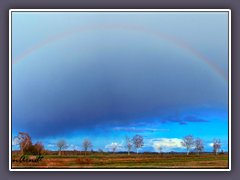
(103, 76)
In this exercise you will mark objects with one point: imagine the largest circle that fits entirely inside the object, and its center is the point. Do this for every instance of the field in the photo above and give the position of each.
(109, 160)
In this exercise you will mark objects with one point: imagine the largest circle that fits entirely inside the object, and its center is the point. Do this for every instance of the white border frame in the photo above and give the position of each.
(121, 10)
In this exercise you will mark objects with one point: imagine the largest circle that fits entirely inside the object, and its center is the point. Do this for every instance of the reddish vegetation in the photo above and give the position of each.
(107, 160)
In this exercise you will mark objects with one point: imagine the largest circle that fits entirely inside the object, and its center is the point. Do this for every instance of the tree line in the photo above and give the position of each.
(190, 143)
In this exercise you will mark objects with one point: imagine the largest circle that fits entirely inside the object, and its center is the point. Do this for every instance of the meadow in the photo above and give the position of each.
(119, 161)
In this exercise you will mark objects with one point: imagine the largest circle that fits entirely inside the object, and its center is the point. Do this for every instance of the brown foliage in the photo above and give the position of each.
(26, 145)
(39, 148)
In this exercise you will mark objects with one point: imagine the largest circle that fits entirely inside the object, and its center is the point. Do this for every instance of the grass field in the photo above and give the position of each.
(108, 160)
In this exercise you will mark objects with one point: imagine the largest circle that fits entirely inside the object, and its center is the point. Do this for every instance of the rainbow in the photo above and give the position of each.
(178, 42)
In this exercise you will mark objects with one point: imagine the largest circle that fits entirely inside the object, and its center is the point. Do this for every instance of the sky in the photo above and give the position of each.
(108, 75)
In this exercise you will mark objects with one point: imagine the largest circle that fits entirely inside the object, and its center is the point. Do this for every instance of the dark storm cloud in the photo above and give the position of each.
(184, 120)
(134, 129)
(110, 88)
(192, 118)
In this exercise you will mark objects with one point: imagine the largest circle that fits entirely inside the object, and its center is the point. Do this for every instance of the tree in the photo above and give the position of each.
(26, 146)
(61, 145)
(216, 145)
(160, 149)
(39, 148)
(199, 145)
(100, 150)
(129, 144)
(138, 142)
(86, 145)
(24, 141)
(114, 147)
(188, 143)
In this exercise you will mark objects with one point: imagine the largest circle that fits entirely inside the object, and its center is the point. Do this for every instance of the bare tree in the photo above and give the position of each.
(114, 147)
(100, 150)
(61, 145)
(216, 145)
(86, 145)
(24, 141)
(138, 142)
(199, 145)
(129, 144)
(26, 146)
(188, 143)
(160, 149)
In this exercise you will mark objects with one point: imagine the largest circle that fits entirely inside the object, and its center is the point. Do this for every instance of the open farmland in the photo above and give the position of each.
(109, 160)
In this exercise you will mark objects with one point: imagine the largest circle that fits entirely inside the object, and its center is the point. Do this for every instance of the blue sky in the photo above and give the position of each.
(103, 76)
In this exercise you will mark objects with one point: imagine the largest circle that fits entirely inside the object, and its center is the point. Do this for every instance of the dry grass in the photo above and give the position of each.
(132, 161)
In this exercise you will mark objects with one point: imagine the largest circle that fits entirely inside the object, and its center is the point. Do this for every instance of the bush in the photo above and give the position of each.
(36, 149)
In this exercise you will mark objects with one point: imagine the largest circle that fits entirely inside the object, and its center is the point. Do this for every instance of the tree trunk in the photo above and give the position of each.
(22, 152)
(137, 151)
(128, 153)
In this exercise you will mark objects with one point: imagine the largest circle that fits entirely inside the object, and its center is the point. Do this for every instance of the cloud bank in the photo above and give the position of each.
(167, 144)
(109, 79)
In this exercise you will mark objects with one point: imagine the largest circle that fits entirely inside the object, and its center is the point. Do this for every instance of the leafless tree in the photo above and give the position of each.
(129, 144)
(26, 146)
(199, 145)
(188, 143)
(160, 149)
(100, 150)
(114, 147)
(138, 142)
(216, 145)
(24, 141)
(61, 145)
(86, 145)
